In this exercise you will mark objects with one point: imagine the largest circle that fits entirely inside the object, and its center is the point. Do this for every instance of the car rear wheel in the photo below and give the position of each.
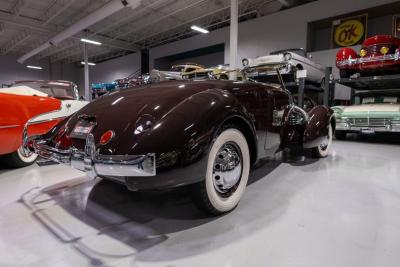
(340, 135)
(324, 147)
(19, 158)
(227, 173)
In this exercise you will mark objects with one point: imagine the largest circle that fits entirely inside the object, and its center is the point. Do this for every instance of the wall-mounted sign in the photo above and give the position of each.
(349, 31)
(396, 26)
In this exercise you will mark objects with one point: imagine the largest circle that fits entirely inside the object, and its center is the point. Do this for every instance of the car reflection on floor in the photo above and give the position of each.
(125, 222)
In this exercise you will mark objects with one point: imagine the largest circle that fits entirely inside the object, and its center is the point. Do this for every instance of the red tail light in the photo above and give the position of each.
(106, 137)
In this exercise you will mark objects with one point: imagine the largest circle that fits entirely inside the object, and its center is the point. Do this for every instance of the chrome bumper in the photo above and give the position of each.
(355, 61)
(95, 164)
(389, 128)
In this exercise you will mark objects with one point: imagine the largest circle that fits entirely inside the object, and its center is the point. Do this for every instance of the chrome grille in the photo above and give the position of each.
(373, 122)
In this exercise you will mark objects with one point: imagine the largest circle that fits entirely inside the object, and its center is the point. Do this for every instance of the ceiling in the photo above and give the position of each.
(26, 24)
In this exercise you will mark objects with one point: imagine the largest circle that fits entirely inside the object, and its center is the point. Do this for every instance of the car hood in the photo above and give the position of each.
(371, 109)
(270, 59)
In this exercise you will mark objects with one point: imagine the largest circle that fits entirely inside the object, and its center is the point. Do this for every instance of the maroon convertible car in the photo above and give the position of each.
(206, 134)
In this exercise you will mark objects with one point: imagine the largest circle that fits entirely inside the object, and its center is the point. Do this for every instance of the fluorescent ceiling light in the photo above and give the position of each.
(34, 67)
(196, 28)
(90, 41)
(89, 63)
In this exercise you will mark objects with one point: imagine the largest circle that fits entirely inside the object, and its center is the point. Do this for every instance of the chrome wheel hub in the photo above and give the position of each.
(227, 168)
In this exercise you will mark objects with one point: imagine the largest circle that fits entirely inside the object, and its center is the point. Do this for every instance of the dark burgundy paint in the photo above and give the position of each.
(186, 117)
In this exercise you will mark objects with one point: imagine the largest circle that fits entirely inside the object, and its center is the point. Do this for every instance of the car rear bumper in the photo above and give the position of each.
(95, 164)
(136, 172)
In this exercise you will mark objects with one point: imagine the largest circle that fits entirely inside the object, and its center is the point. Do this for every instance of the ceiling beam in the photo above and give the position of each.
(35, 25)
(17, 7)
(55, 10)
(17, 40)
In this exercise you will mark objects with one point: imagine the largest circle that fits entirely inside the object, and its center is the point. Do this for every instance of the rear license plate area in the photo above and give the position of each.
(82, 129)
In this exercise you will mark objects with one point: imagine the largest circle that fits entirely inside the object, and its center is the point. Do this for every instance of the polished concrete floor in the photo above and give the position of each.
(340, 211)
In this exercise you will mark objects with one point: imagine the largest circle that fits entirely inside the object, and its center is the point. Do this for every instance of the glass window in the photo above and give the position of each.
(59, 90)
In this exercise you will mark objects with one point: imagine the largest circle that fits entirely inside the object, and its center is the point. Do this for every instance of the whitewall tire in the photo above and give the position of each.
(324, 148)
(19, 158)
(228, 169)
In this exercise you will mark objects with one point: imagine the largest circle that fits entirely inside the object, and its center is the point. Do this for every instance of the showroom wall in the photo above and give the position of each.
(110, 70)
(273, 32)
(11, 70)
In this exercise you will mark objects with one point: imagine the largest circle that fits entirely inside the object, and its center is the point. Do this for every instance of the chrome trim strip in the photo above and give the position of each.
(48, 120)
(352, 61)
(9, 126)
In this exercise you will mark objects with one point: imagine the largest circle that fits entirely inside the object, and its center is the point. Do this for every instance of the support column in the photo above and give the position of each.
(233, 41)
(86, 73)
(327, 87)
(145, 61)
(300, 100)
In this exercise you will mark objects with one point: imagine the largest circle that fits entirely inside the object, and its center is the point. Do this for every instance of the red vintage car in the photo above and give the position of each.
(379, 55)
(17, 107)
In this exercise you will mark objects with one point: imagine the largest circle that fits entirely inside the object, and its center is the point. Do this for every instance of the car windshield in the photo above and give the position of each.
(59, 90)
(380, 100)
(177, 68)
(297, 51)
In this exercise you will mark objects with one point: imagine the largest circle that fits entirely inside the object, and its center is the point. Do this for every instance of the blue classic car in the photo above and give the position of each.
(99, 89)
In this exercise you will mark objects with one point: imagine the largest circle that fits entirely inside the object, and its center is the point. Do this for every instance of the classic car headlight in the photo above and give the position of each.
(298, 116)
(287, 56)
(384, 50)
(245, 62)
(363, 52)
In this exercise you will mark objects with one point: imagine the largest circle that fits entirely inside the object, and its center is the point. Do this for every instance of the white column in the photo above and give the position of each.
(86, 71)
(233, 42)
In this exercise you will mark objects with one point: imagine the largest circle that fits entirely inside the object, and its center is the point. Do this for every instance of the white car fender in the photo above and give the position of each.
(68, 107)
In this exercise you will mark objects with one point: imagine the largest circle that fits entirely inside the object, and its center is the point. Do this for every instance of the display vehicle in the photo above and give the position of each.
(377, 112)
(206, 134)
(292, 60)
(220, 72)
(18, 105)
(379, 54)
(175, 73)
(63, 91)
(99, 89)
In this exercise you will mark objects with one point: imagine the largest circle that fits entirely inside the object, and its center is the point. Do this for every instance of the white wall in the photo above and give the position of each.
(113, 69)
(11, 71)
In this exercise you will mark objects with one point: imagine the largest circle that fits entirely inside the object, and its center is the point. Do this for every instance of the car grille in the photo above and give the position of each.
(375, 122)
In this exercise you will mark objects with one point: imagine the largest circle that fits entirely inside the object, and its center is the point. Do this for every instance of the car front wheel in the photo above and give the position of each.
(19, 158)
(227, 173)
(324, 148)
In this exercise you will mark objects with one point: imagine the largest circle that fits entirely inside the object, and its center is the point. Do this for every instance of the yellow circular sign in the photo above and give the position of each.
(349, 32)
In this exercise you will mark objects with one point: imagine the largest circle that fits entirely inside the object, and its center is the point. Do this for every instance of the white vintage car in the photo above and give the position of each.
(65, 91)
(175, 73)
(292, 60)
(378, 112)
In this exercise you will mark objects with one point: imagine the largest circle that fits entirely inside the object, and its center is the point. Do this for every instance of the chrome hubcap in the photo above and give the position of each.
(227, 168)
(25, 152)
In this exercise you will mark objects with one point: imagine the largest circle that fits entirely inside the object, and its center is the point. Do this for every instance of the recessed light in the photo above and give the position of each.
(34, 67)
(90, 41)
(199, 29)
(89, 63)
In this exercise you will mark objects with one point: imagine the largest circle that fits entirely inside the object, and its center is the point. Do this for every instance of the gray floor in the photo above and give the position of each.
(340, 211)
